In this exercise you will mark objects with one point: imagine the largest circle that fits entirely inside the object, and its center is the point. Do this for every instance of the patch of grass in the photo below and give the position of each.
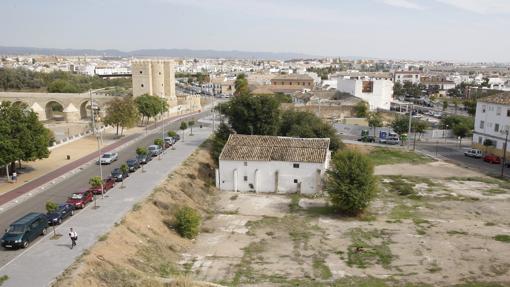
(456, 232)
(369, 247)
(294, 203)
(380, 156)
(400, 186)
(402, 211)
(495, 191)
(479, 284)
(316, 211)
(433, 268)
(320, 269)
(166, 270)
(3, 278)
(234, 197)
(229, 212)
(136, 207)
(367, 217)
(490, 224)
(502, 238)
(103, 237)
(502, 183)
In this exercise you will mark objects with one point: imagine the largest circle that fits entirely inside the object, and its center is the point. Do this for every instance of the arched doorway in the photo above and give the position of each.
(54, 111)
(85, 109)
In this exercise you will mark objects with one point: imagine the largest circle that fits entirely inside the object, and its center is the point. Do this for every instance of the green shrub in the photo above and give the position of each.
(350, 183)
(187, 222)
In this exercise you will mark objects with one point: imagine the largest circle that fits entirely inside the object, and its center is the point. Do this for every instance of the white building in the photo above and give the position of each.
(273, 164)
(492, 119)
(378, 93)
(406, 76)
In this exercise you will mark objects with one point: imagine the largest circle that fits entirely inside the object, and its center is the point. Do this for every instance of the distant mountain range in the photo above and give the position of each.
(177, 53)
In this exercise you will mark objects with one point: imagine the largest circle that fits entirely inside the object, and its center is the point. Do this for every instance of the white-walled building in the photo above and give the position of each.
(492, 119)
(378, 93)
(273, 164)
(406, 76)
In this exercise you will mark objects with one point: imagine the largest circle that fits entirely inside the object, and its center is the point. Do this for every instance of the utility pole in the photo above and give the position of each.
(98, 146)
(410, 108)
(503, 162)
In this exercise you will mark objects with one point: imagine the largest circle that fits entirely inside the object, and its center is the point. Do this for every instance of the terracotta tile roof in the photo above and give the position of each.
(273, 148)
(502, 98)
(298, 77)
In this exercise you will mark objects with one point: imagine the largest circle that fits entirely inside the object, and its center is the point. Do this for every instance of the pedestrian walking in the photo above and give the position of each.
(14, 177)
(74, 236)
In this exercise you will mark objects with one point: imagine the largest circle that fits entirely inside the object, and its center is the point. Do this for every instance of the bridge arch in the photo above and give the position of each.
(54, 110)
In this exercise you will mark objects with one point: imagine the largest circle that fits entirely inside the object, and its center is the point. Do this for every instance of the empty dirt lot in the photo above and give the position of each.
(442, 231)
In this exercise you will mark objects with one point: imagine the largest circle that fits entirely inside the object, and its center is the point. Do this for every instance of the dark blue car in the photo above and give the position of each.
(63, 211)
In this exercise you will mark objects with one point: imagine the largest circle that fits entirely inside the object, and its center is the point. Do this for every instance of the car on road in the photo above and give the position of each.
(491, 158)
(473, 152)
(108, 183)
(143, 159)
(24, 230)
(133, 164)
(367, 139)
(108, 157)
(118, 175)
(62, 212)
(81, 198)
(177, 137)
(437, 114)
(392, 140)
(154, 149)
(169, 141)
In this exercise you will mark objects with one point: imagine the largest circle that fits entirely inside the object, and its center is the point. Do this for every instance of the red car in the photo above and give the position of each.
(108, 184)
(491, 158)
(81, 198)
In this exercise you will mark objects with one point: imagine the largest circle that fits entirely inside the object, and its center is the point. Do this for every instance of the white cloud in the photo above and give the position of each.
(481, 7)
(408, 4)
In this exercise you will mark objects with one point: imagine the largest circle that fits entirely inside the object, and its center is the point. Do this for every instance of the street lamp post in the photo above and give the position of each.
(98, 135)
(410, 108)
(503, 162)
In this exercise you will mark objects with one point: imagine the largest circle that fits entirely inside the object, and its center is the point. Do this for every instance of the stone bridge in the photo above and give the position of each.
(67, 107)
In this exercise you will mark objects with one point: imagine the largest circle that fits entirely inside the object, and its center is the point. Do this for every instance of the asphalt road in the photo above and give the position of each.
(59, 192)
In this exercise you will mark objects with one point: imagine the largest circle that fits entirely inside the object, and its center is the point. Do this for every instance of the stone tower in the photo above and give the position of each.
(154, 77)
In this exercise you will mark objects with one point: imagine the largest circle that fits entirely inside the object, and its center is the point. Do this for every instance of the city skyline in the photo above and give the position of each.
(450, 30)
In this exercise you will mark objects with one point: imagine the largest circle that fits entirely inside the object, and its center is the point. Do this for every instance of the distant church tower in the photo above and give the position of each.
(154, 77)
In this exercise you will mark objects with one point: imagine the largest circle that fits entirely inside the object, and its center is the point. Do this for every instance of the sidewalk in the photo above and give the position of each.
(46, 259)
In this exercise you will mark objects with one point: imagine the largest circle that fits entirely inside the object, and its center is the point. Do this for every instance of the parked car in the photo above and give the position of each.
(143, 159)
(154, 149)
(108, 183)
(118, 175)
(81, 199)
(108, 158)
(491, 158)
(169, 141)
(133, 164)
(473, 152)
(367, 139)
(63, 211)
(24, 230)
(177, 137)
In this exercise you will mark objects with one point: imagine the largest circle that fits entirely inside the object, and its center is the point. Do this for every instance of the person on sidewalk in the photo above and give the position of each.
(74, 236)
(14, 177)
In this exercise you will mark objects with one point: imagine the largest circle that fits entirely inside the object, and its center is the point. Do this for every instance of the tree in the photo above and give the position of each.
(308, 125)
(183, 127)
(95, 181)
(124, 169)
(361, 109)
(419, 126)
(187, 222)
(470, 106)
(374, 120)
(350, 183)
(150, 106)
(445, 105)
(52, 207)
(219, 139)
(453, 120)
(159, 142)
(22, 136)
(191, 124)
(400, 125)
(461, 131)
(171, 134)
(122, 113)
(246, 114)
(241, 85)
(141, 151)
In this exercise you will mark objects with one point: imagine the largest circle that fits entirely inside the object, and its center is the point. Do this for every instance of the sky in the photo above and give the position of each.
(450, 30)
